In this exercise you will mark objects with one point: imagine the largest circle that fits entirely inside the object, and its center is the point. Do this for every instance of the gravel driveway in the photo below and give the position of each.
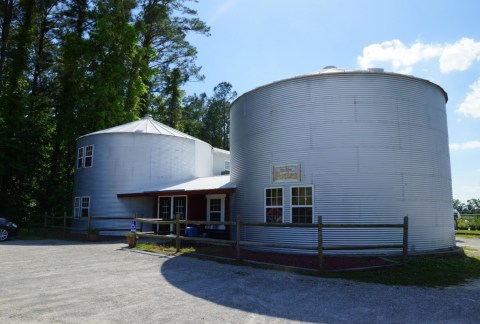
(54, 281)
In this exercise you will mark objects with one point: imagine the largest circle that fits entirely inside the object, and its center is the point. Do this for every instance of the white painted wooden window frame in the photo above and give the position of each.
(274, 206)
(222, 210)
(292, 206)
(76, 207)
(88, 157)
(80, 157)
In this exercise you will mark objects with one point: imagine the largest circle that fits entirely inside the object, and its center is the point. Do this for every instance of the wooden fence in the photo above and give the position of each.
(64, 223)
(238, 243)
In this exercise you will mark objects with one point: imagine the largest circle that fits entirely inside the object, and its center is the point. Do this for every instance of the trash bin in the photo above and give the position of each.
(191, 232)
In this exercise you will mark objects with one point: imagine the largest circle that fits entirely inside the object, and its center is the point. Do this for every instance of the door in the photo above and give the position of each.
(164, 212)
(169, 208)
(179, 209)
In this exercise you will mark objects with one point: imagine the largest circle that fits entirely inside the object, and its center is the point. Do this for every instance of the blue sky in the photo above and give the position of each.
(254, 42)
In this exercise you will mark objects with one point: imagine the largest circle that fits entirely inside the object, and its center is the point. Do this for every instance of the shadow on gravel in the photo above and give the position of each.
(281, 295)
(312, 299)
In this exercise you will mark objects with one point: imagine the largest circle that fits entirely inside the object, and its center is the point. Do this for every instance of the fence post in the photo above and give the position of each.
(238, 238)
(405, 241)
(64, 223)
(88, 224)
(141, 223)
(177, 230)
(320, 243)
(45, 225)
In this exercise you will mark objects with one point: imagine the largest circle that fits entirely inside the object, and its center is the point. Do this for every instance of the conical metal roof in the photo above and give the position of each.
(146, 125)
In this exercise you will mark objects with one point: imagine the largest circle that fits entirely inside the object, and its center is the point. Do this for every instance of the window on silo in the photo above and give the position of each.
(302, 204)
(80, 158)
(76, 208)
(85, 206)
(88, 156)
(274, 205)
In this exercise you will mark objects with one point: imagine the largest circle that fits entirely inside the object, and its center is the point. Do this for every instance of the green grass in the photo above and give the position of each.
(163, 248)
(423, 271)
(467, 233)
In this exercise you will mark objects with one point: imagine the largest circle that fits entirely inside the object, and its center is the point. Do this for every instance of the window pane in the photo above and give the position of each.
(302, 215)
(301, 191)
(85, 206)
(88, 161)
(88, 156)
(80, 158)
(215, 216)
(273, 205)
(274, 215)
(308, 200)
(294, 191)
(215, 205)
(302, 205)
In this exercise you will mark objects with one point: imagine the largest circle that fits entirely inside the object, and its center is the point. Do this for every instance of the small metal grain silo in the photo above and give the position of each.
(351, 146)
(129, 158)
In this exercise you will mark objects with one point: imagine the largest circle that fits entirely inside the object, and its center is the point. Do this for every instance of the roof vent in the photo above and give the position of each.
(328, 67)
(375, 70)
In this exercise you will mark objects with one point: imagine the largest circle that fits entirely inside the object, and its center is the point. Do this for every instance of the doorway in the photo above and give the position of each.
(169, 208)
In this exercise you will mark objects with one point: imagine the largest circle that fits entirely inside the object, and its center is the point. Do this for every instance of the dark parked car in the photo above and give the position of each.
(7, 229)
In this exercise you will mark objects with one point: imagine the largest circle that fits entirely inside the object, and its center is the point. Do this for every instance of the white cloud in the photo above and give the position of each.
(465, 146)
(471, 103)
(459, 56)
(451, 57)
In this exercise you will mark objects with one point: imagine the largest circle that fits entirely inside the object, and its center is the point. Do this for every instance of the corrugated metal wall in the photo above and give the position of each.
(373, 145)
(219, 158)
(130, 162)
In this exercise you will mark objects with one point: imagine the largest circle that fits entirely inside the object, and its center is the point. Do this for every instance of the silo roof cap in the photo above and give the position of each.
(331, 69)
(146, 125)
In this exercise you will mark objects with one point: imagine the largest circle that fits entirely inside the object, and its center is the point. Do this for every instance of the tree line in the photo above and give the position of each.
(71, 67)
(471, 207)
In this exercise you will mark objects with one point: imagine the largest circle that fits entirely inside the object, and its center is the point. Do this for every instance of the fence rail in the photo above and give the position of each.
(238, 243)
(64, 223)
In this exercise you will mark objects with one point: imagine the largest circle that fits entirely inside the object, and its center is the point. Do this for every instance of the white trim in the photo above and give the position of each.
(296, 206)
(222, 210)
(80, 157)
(172, 216)
(87, 208)
(76, 207)
(88, 156)
(273, 206)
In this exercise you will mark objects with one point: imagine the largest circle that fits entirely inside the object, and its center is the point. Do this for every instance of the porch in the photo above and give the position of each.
(202, 199)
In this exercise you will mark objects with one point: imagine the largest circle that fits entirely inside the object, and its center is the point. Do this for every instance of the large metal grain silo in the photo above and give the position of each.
(130, 158)
(351, 146)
